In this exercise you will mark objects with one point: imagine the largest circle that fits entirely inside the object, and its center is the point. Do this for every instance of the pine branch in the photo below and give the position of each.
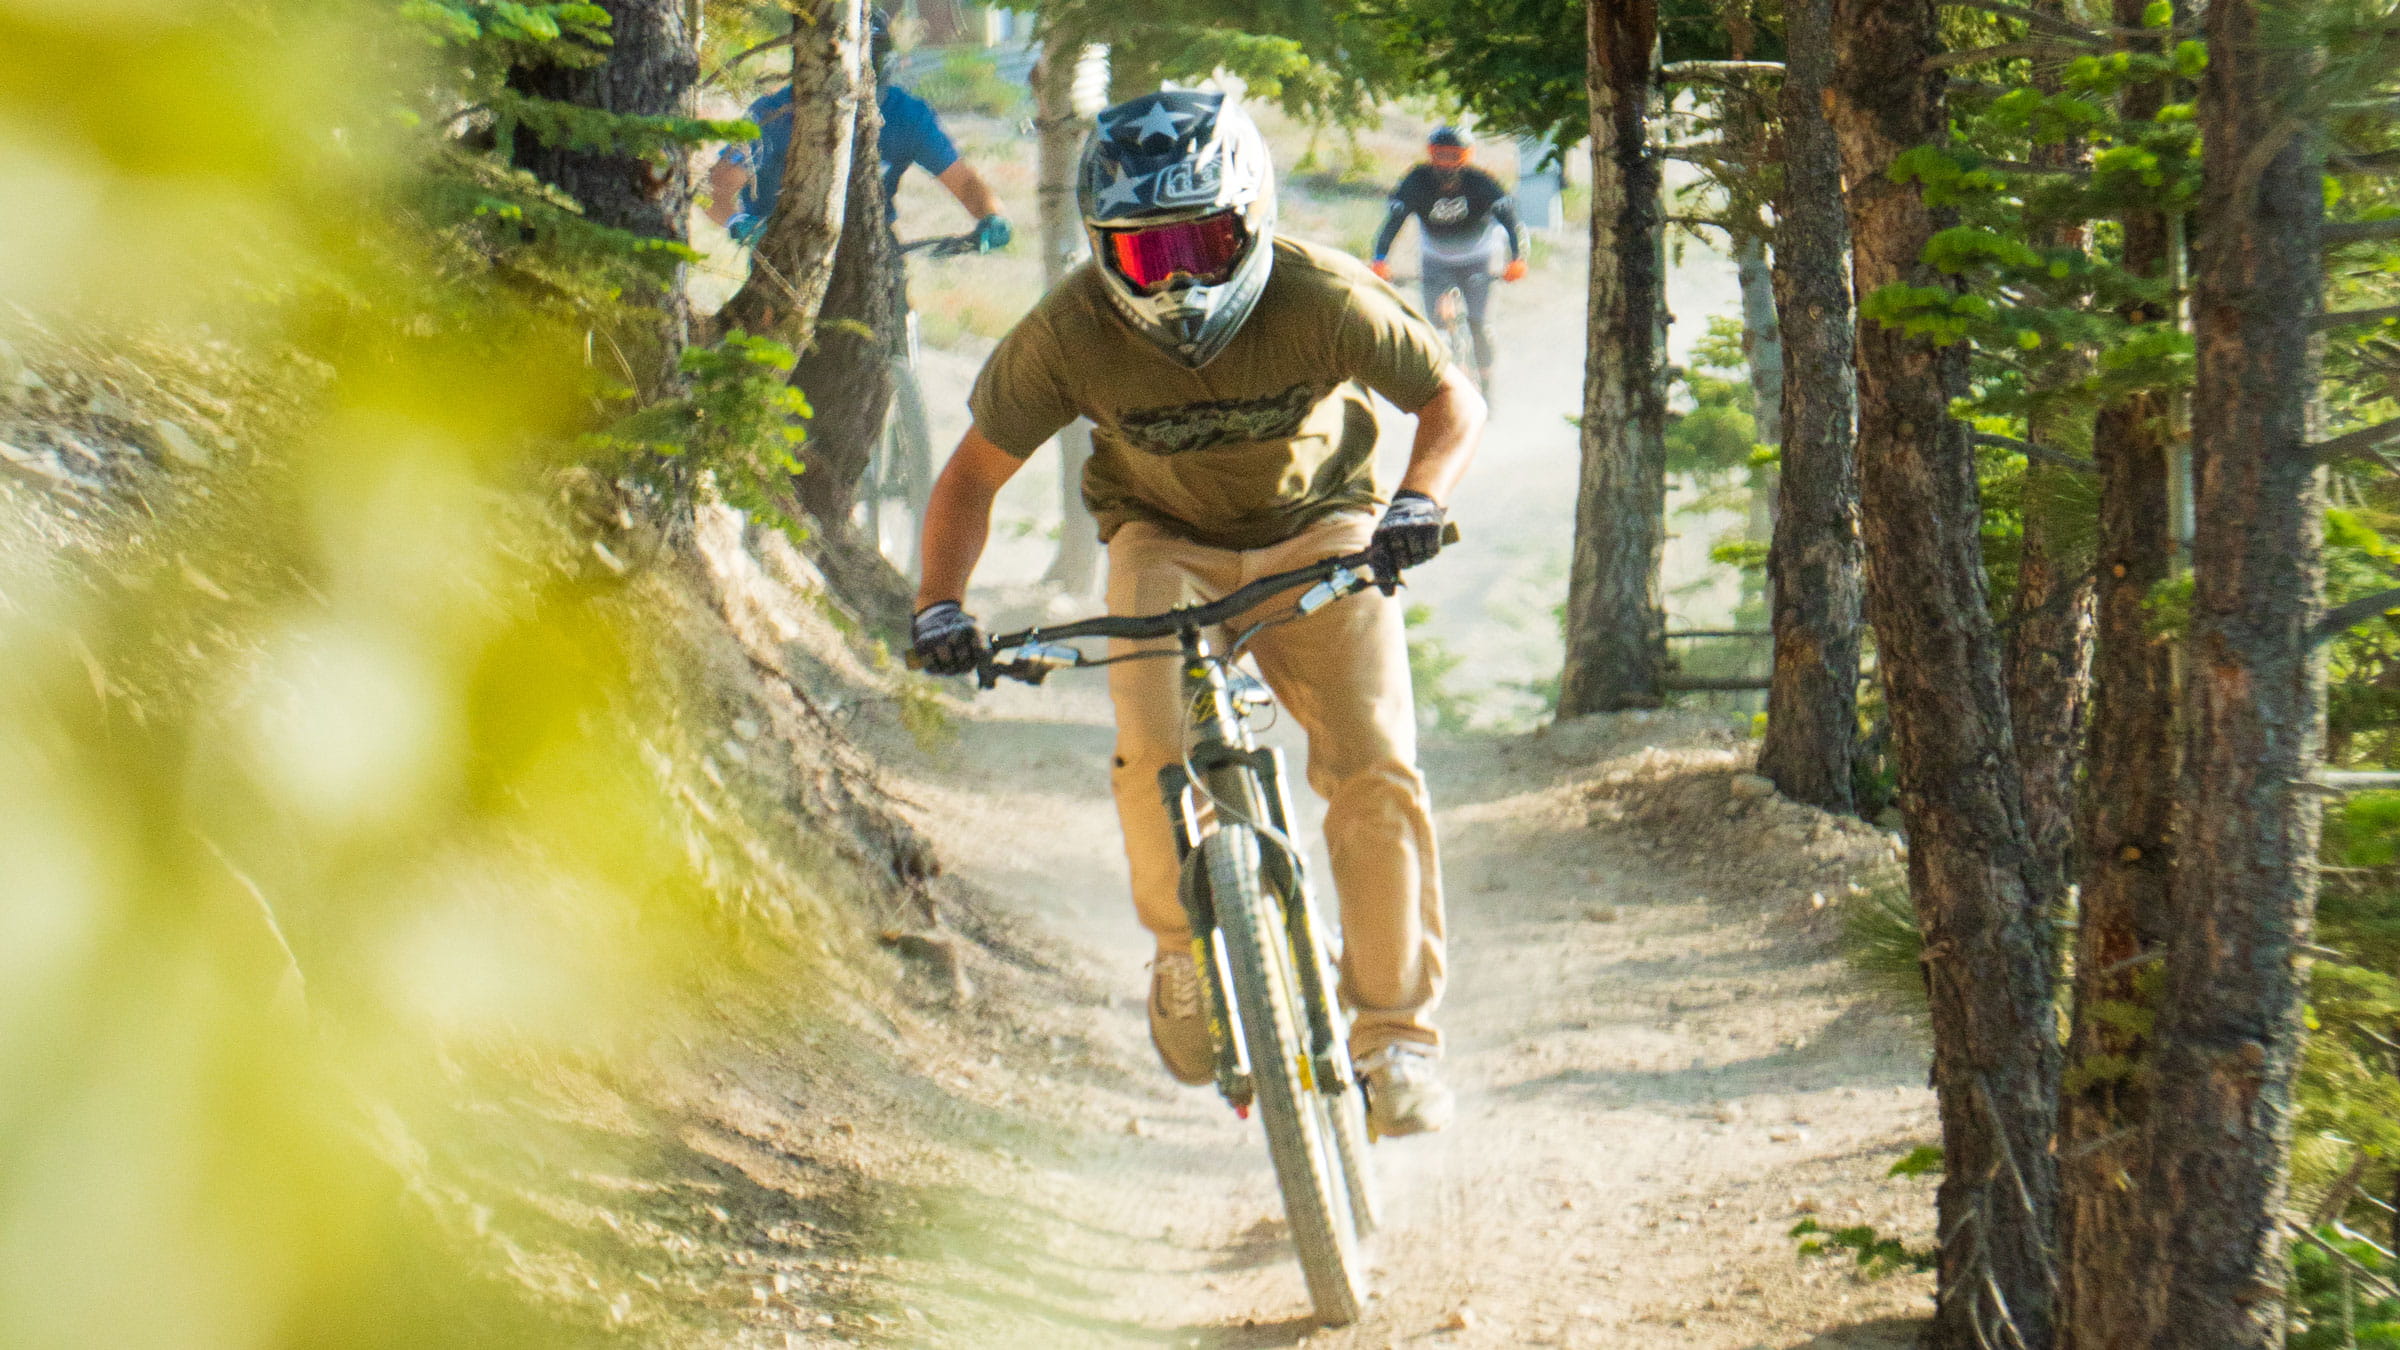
(2342, 618)
(2039, 454)
(2006, 51)
(2370, 161)
(1695, 222)
(2361, 231)
(1694, 70)
(2034, 18)
(2343, 318)
(2364, 441)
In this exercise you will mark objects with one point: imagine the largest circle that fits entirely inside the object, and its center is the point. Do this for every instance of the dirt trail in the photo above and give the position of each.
(1661, 1067)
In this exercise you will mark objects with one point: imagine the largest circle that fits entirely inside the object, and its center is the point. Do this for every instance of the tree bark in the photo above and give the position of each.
(1762, 333)
(1762, 352)
(2245, 868)
(847, 375)
(2107, 1235)
(1615, 626)
(1813, 571)
(651, 67)
(792, 266)
(2050, 642)
(1972, 873)
(1059, 130)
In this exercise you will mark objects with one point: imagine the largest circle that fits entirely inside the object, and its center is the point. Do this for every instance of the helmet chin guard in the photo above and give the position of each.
(1169, 159)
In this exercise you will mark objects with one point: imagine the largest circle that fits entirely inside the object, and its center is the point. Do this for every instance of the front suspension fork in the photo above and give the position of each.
(1287, 879)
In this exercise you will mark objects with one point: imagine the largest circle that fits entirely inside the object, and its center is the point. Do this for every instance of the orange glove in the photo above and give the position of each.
(1515, 271)
(1381, 268)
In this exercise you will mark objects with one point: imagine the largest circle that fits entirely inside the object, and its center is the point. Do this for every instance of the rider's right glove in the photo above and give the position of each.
(1381, 268)
(946, 639)
(745, 227)
(992, 233)
(1411, 530)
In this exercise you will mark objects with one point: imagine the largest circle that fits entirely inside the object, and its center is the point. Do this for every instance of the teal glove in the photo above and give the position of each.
(745, 228)
(991, 233)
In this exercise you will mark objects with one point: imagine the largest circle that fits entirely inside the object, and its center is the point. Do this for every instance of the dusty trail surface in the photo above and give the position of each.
(1662, 1067)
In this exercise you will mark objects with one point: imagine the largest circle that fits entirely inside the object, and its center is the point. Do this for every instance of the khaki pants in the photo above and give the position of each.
(1342, 675)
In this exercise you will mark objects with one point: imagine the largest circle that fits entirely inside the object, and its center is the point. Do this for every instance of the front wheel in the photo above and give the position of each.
(1303, 1136)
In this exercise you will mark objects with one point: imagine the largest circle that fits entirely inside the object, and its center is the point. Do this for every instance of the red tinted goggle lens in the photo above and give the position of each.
(1448, 156)
(1204, 250)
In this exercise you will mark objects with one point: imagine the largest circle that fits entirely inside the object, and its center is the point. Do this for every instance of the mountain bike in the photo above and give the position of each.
(1450, 320)
(1266, 966)
(899, 475)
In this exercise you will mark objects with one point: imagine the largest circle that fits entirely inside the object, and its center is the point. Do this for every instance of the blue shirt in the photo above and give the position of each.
(912, 135)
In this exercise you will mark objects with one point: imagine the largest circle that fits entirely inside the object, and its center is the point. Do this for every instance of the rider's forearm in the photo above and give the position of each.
(1449, 429)
(970, 189)
(1395, 215)
(725, 183)
(958, 522)
(958, 517)
(1505, 211)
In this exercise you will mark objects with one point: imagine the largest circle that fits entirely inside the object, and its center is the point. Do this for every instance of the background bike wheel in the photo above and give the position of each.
(900, 475)
(1301, 1138)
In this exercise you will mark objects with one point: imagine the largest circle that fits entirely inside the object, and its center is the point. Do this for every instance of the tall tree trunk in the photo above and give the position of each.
(847, 375)
(1615, 627)
(1060, 129)
(2050, 642)
(1813, 563)
(1762, 351)
(1977, 886)
(792, 266)
(651, 67)
(2245, 866)
(2113, 1275)
(1762, 333)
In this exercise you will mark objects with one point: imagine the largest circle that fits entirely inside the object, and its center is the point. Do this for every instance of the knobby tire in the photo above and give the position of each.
(1302, 1132)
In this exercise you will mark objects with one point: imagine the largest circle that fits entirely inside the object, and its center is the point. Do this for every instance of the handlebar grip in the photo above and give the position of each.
(914, 661)
(1450, 533)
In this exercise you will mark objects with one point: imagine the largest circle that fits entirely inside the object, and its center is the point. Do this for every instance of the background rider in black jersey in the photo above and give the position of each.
(1456, 206)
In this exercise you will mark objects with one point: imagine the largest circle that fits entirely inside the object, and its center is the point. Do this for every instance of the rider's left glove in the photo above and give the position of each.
(745, 228)
(946, 639)
(992, 233)
(1411, 530)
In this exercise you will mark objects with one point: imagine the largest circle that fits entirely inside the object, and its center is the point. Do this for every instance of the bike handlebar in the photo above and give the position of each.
(941, 246)
(1233, 605)
(1369, 567)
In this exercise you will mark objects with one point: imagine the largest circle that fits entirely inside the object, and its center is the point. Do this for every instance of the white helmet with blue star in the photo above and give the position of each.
(1178, 196)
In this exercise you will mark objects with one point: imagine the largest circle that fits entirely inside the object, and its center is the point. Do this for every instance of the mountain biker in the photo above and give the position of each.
(744, 181)
(1456, 206)
(1220, 365)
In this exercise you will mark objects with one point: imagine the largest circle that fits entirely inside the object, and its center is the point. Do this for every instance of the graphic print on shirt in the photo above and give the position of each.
(1185, 427)
(1449, 211)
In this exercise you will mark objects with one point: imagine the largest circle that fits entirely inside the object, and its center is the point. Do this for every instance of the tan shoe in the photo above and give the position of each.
(1404, 1092)
(1179, 1020)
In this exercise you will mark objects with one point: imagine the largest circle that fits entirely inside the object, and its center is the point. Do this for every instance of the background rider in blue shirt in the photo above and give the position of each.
(745, 179)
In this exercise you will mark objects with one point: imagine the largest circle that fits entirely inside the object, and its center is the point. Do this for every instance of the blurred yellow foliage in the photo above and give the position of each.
(313, 772)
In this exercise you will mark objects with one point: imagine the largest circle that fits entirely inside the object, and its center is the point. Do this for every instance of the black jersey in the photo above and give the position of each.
(1456, 208)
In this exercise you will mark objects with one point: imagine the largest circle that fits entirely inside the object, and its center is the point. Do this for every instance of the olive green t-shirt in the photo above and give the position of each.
(1243, 452)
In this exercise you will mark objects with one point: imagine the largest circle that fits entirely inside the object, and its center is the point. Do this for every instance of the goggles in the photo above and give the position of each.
(1448, 156)
(1204, 250)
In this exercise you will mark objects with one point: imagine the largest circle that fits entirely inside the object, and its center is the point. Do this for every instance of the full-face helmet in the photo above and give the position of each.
(1178, 197)
(1449, 148)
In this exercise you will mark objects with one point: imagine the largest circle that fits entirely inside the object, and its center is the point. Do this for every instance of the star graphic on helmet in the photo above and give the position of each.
(1156, 122)
(1123, 190)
